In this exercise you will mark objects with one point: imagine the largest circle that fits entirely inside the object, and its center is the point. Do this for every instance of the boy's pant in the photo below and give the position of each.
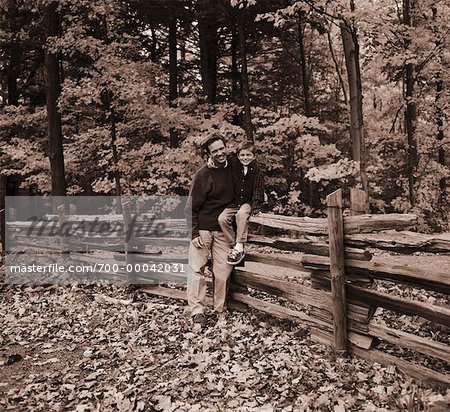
(226, 223)
(198, 258)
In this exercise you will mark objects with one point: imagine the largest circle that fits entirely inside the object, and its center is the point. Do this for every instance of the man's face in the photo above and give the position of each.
(218, 152)
(246, 157)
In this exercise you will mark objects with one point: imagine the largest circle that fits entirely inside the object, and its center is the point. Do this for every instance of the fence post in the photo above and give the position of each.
(358, 202)
(72, 209)
(337, 271)
(2, 211)
(61, 219)
(128, 241)
(10, 216)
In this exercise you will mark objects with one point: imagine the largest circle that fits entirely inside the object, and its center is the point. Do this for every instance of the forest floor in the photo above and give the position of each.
(102, 348)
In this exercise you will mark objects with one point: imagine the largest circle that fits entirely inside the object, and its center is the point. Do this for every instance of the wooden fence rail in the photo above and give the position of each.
(329, 276)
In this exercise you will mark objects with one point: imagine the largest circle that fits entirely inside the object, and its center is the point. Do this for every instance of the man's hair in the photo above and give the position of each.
(246, 146)
(211, 139)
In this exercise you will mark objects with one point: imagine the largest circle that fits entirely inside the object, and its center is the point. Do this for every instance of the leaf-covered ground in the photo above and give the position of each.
(92, 348)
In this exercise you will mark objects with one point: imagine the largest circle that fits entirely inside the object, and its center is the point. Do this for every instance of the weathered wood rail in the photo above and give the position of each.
(308, 286)
(329, 280)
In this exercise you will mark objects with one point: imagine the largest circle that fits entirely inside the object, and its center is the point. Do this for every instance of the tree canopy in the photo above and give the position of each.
(140, 85)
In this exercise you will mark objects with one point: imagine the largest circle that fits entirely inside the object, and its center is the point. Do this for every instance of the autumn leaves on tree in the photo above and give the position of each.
(107, 96)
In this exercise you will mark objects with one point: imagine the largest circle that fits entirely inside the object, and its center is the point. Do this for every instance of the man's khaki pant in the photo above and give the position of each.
(196, 288)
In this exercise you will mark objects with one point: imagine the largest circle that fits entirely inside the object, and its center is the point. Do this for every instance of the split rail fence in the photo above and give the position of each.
(324, 274)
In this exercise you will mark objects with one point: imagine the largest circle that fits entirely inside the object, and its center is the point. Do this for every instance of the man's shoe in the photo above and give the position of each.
(235, 257)
(199, 319)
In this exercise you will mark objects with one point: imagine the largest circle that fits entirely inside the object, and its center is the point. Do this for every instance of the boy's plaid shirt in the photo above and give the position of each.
(249, 188)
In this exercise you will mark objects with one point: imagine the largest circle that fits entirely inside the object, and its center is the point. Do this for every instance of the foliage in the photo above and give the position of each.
(391, 47)
(20, 156)
(108, 348)
(115, 66)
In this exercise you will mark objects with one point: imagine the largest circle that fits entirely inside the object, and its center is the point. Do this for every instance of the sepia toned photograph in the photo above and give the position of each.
(225, 205)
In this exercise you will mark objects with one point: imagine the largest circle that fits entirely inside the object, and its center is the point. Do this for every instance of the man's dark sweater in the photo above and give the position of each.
(211, 191)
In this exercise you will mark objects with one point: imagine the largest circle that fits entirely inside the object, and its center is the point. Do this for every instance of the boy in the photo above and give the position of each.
(248, 197)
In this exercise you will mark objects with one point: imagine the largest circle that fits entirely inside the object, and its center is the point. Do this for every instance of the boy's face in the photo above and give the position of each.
(246, 157)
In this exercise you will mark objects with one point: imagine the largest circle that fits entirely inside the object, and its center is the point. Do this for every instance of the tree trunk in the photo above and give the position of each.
(440, 133)
(244, 78)
(13, 94)
(114, 153)
(351, 52)
(410, 124)
(411, 108)
(439, 116)
(181, 65)
(173, 75)
(207, 30)
(234, 64)
(109, 116)
(305, 77)
(53, 89)
(154, 45)
(313, 189)
(336, 66)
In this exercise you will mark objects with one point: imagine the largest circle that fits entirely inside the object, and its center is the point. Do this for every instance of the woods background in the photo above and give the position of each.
(113, 97)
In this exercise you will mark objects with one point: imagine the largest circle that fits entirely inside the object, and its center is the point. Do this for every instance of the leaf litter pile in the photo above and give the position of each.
(90, 348)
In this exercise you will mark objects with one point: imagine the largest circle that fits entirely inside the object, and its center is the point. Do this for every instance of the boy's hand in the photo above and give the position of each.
(210, 163)
(256, 211)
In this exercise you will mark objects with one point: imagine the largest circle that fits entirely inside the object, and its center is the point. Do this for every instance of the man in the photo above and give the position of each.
(211, 191)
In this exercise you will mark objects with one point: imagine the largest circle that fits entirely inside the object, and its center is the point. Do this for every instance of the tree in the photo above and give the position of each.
(245, 87)
(351, 52)
(208, 42)
(411, 105)
(173, 74)
(439, 107)
(53, 89)
(304, 63)
(144, 82)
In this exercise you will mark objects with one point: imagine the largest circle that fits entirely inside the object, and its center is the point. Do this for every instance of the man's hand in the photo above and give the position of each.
(198, 242)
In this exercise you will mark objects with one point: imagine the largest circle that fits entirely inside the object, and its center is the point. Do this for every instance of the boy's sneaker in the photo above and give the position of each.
(235, 257)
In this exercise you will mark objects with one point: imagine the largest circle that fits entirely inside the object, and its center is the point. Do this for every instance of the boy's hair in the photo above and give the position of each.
(247, 146)
(211, 139)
